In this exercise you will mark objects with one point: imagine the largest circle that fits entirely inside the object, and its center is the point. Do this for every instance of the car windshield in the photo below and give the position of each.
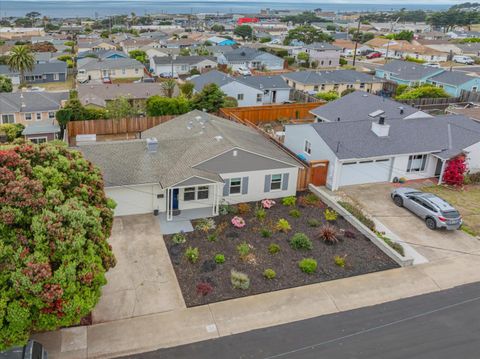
(450, 214)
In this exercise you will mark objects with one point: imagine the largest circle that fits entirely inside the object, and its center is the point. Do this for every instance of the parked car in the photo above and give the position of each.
(432, 64)
(436, 212)
(145, 80)
(32, 350)
(36, 89)
(244, 71)
(462, 59)
(106, 80)
(168, 75)
(374, 55)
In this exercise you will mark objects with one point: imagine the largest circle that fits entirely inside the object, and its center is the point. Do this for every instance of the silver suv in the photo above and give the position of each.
(436, 212)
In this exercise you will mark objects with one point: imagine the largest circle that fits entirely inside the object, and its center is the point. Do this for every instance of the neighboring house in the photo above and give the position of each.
(42, 73)
(400, 49)
(84, 45)
(337, 80)
(35, 110)
(249, 90)
(221, 41)
(324, 54)
(370, 151)
(193, 162)
(43, 57)
(97, 69)
(348, 47)
(99, 95)
(12, 33)
(406, 72)
(251, 58)
(182, 65)
(453, 82)
(359, 105)
(137, 43)
(470, 48)
(103, 54)
(463, 34)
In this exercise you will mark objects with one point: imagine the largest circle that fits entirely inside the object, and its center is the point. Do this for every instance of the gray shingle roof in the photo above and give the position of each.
(321, 46)
(191, 60)
(214, 76)
(358, 105)
(179, 150)
(454, 78)
(31, 101)
(99, 94)
(407, 70)
(355, 139)
(40, 69)
(330, 77)
(97, 64)
(40, 129)
(243, 54)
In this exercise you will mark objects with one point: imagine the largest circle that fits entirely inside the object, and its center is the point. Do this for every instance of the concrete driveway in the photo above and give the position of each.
(143, 281)
(433, 245)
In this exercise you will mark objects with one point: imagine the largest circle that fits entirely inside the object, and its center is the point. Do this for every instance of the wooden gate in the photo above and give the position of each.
(319, 172)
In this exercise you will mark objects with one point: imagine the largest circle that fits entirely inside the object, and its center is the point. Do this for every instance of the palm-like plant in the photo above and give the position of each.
(168, 87)
(21, 60)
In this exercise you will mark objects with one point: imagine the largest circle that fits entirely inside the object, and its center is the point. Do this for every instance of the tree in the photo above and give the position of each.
(328, 96)
(202, 51)
(5, 84)
(244, 31)
(230, 102)
(55, 221)
(168, 87)
(184, 52)
(120, 108)
(63, 117)
(211, 98)
(423, 91)
(454, 173)
(21, 60)
(402, 35)
(307, 17)
(139, 55)
(306, 34)
(303, 56)
(187, 89)
(12, 130)
(218, 28)
(32, 16)
(162, 106)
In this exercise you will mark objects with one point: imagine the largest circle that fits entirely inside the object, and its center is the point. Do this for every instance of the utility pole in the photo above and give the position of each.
(388, 43)
(356, 43)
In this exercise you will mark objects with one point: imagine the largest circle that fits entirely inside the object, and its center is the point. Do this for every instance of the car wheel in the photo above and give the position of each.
(431, 224)
(398, 201)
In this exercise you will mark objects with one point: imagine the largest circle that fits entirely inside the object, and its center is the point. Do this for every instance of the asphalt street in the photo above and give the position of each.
(442, 325)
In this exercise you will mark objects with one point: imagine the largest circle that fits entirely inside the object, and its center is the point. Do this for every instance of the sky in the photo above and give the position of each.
(439, 2)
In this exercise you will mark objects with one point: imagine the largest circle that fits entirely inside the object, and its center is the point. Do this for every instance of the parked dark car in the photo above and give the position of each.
(33, 350)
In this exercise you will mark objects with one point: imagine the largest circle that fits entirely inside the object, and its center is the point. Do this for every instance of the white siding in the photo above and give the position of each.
(366, 172)
(233, 89)
(400, 164)
(134, 199)
(473, 157)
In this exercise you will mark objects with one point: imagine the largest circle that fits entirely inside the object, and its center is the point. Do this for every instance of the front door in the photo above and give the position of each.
(173, 198)
(274, 96)
(438, 169)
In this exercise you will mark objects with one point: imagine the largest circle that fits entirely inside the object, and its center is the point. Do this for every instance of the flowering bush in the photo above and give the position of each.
(454, 174)
(268, 203)
(54, 224)
(238, 222)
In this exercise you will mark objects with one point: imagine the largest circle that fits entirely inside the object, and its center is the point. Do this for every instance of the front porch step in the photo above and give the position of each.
(176, 212)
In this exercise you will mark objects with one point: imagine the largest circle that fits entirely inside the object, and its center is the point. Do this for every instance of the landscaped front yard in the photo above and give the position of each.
(251, 249)
(466, 201)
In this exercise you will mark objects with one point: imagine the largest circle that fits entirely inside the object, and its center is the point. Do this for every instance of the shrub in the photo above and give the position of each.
(239, 280)
(212, 237)
(274, 248)
(308, 265)
(265, 233)
(205, 224)
(244, 208)
(358, 214)
(260, 213)
(394, 245)
(192, 254)
(330, 215)
(295, 213)
(179, 238)
(289, 201)
(219, 258)
(283, 225)
(312, 222)
(310, 199)
(340, 261)
(268, 203)
(472, 178)
(269, 273)
(328, 96)
(328, 234)
(454, 174)
(161, 106)
(243, 249)
(204, 288)
(300, 241)
(238, 222)
(223, 209)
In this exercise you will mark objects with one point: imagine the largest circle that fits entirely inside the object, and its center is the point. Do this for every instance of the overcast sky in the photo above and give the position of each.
(303, 1)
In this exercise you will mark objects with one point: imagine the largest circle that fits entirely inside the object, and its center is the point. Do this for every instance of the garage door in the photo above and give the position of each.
(365, 172)
(132, 200)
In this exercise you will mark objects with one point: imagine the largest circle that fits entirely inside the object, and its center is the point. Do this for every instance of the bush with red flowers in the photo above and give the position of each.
(54, 224)
(454, 173)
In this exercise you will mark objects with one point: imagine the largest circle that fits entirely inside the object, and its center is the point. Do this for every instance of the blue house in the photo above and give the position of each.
(453, 82)
(221, 41)
(103, 54)
(406, 72)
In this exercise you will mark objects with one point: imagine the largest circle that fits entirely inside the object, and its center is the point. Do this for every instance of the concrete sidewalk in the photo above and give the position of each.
(189, 325)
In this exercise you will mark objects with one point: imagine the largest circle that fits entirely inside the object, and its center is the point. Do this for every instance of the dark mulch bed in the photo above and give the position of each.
(361, 255)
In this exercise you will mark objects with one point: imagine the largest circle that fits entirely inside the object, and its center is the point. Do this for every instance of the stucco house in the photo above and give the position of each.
(324, 54)
(194, 161)
(247, 57)
(55, 71)
(348, 47)
(91, 69)
(182, 65)
(248, 90)
(84, 45)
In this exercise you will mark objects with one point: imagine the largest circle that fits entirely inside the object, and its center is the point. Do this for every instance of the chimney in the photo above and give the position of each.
(152, 145)
(380, 128)
(401, 110)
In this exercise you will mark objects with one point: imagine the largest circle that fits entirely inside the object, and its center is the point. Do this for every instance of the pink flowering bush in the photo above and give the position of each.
(238, 222)
(268, 203)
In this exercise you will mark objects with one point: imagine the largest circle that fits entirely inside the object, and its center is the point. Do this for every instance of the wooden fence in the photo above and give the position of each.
(302, 96)
(259, 114)
(114, 127)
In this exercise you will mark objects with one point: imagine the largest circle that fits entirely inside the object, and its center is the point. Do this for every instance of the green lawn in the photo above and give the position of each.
(467, 201)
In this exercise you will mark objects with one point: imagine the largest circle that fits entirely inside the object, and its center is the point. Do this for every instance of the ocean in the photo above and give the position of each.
(99, 8)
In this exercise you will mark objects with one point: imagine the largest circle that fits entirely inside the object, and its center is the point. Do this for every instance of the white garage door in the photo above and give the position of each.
(365, 172)
(132, 200)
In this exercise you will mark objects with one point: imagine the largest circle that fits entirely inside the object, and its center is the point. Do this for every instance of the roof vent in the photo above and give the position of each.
(401, 110)
(380, 128)
(218, 138)
(235, 153)
(376, 113)
(152, 145)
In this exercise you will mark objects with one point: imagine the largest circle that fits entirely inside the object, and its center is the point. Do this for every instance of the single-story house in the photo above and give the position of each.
(382, 150)
(194, 161)
(248, 90)
(406, 72)
(348, 47)
(324, 54)
(55, 71)
(247, 57)
(84, 45)
(103, 54)
(398, 49)
(453, 82)
(469, 48)
(35, 110)
(221, 41)
(182, 65)
(96, 69)
(336, 80)
(359, 105)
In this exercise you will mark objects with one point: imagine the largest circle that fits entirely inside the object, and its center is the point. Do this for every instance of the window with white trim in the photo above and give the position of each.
(38, 116)
(28, 116)
(8, 118)
(51, 115)
(189, 194)
(240, 97)
(235, 186)
(276, 182)
(38, 140)
(259, 97)
(202, 192)
(417, 163)
(307, 148)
